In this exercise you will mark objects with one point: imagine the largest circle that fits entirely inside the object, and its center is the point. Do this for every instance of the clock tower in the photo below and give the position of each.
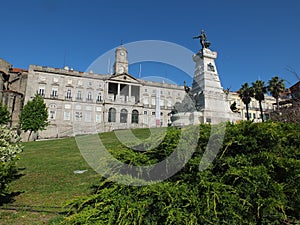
(121, 62)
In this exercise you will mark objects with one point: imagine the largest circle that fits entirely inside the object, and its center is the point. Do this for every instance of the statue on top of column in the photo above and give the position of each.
(203, 39)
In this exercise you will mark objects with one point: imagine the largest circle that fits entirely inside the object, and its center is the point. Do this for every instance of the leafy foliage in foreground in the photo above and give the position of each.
(9, 154)
(254, 180)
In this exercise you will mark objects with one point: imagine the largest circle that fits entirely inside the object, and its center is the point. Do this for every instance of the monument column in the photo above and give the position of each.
(207, 90)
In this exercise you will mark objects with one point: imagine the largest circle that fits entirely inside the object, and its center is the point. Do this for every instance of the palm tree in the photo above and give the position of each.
(276, 87)
(260, 89)
(245, 93)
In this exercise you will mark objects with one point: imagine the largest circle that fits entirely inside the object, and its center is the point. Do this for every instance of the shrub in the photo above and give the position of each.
(9, 154)
(253, 180)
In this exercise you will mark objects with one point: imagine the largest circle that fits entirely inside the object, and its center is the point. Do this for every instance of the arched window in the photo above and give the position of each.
(112, 115)
(135, 116)
(123, 116)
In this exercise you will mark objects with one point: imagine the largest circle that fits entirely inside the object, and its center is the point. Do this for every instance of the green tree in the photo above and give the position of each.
(245, 93)
(276, 87)
(260, 89)
(34, 116)
(4, 115)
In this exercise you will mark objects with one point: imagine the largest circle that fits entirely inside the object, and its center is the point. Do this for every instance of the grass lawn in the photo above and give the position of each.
(48, 179)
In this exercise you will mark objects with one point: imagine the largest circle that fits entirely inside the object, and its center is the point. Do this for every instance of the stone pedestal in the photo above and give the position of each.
(207, 90)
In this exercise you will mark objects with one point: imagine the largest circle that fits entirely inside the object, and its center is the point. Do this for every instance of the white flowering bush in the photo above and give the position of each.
(10, 148)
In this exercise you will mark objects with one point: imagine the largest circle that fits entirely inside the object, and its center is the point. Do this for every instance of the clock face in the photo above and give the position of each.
(122, 53)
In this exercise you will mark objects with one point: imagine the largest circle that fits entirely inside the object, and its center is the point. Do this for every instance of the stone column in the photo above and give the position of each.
(129, 93)
(118, 92)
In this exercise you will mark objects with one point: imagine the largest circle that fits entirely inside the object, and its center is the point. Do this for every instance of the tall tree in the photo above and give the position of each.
(245, 93)
(276, 87)
(34, 116)
(4, 115)
(260, 89)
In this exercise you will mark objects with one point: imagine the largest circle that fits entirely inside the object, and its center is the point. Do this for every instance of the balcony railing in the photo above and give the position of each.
(68, 98)
(53, 96)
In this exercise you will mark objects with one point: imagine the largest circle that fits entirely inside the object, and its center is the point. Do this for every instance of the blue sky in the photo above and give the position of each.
(254, 39)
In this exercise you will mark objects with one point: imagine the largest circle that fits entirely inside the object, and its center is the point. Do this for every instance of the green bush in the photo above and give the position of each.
(253, 180)
(9, 151)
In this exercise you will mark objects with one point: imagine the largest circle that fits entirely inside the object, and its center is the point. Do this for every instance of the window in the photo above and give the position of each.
(99, 97)
(67, 106)
(146, 90)
(78, 97)
(146, 100)
(135, 116)
(54, 92)
(123, 116)
(98, 118)
(112, 115)
(145, 112)
(169, 102)
(153, 113)
(42, 91)
(248, 114)
(67, 115)
(153, 101)
(52, 114)
(78, 116)
(89, 96)
(161, 102)
(254, 115)
(88, 117)
(68, 94)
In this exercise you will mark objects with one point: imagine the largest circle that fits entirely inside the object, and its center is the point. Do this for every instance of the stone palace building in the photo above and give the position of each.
(85, 102)
(100, 102)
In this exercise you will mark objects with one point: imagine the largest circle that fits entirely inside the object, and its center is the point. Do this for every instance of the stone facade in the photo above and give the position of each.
(13, 83)
(268, 106)
(80, 102)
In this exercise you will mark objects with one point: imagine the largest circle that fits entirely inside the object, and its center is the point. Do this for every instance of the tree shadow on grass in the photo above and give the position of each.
(8, 196)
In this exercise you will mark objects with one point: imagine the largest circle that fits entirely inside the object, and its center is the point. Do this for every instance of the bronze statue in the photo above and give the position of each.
(203, 39)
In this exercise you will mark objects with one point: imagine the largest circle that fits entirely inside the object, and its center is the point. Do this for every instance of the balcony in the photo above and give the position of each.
(68, 98)
(53, 96)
